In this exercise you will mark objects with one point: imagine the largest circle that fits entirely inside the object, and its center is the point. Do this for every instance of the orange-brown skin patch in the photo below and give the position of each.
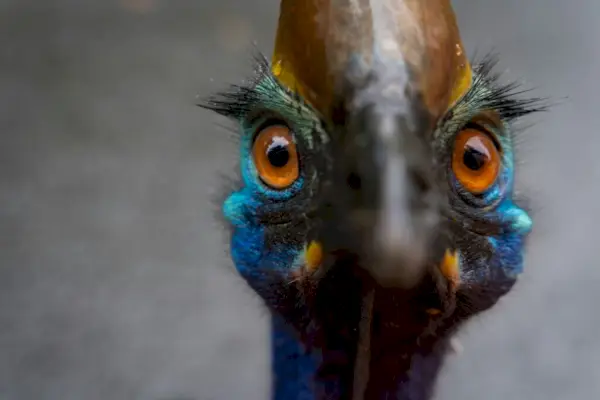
(317, 38)
(450, 268)
(313, 256)
(313, 259)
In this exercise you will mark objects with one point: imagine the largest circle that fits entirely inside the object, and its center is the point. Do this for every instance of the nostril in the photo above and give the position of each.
(420, 181)
(354, 181)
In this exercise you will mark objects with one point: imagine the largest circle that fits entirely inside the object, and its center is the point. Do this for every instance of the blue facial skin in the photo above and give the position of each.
(267, 260)
(293, 365)
(249, 251)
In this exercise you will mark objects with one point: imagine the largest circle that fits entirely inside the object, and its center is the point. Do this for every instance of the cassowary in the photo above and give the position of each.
(375, 209)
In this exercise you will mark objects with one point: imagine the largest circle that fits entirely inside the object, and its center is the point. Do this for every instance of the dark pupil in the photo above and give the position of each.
(278, 155)
(474, 159)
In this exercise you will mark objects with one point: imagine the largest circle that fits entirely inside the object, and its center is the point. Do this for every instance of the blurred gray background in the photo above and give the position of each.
(113, 279)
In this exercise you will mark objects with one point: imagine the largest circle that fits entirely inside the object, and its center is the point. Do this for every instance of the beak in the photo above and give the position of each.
(385, 143)
(382, 72)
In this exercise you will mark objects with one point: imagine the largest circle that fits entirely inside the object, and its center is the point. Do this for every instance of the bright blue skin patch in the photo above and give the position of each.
(508, 247)
(293, 367)
(248, 248)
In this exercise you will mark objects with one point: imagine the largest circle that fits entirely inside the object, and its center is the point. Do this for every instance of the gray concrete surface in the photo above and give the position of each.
(113, 280)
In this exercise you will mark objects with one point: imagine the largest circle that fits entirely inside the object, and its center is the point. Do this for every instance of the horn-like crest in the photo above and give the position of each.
(316, 40)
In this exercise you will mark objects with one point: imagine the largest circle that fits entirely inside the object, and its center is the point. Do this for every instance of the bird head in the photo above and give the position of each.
(374, 155)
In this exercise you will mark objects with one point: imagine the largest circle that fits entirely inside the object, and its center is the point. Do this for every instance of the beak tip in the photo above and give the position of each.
(398, 264)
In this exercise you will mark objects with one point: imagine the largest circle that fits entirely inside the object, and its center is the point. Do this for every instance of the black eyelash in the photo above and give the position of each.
(488, 92)
(239, 99)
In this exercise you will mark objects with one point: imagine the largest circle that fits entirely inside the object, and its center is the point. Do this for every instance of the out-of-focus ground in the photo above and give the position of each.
(113, 279)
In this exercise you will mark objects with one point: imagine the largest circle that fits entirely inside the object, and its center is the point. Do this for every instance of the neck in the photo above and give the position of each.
(377, 345)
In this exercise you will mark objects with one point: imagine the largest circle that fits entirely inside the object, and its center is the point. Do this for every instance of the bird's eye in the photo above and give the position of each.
(476, 160)
(276, 157)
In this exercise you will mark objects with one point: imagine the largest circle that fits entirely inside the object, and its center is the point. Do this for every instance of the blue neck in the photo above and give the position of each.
(294, 366)
(399, 366)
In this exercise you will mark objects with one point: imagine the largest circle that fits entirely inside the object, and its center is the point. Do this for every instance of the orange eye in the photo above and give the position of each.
(276, 157)
(476, 160)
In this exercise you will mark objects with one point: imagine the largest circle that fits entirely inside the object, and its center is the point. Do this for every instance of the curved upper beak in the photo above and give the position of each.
(381, 72)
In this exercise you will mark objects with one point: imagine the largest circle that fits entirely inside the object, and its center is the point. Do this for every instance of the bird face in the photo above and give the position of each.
(372, 155)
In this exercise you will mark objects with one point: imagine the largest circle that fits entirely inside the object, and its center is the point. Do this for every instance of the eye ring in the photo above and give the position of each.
(476, 160)
(275, 156)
